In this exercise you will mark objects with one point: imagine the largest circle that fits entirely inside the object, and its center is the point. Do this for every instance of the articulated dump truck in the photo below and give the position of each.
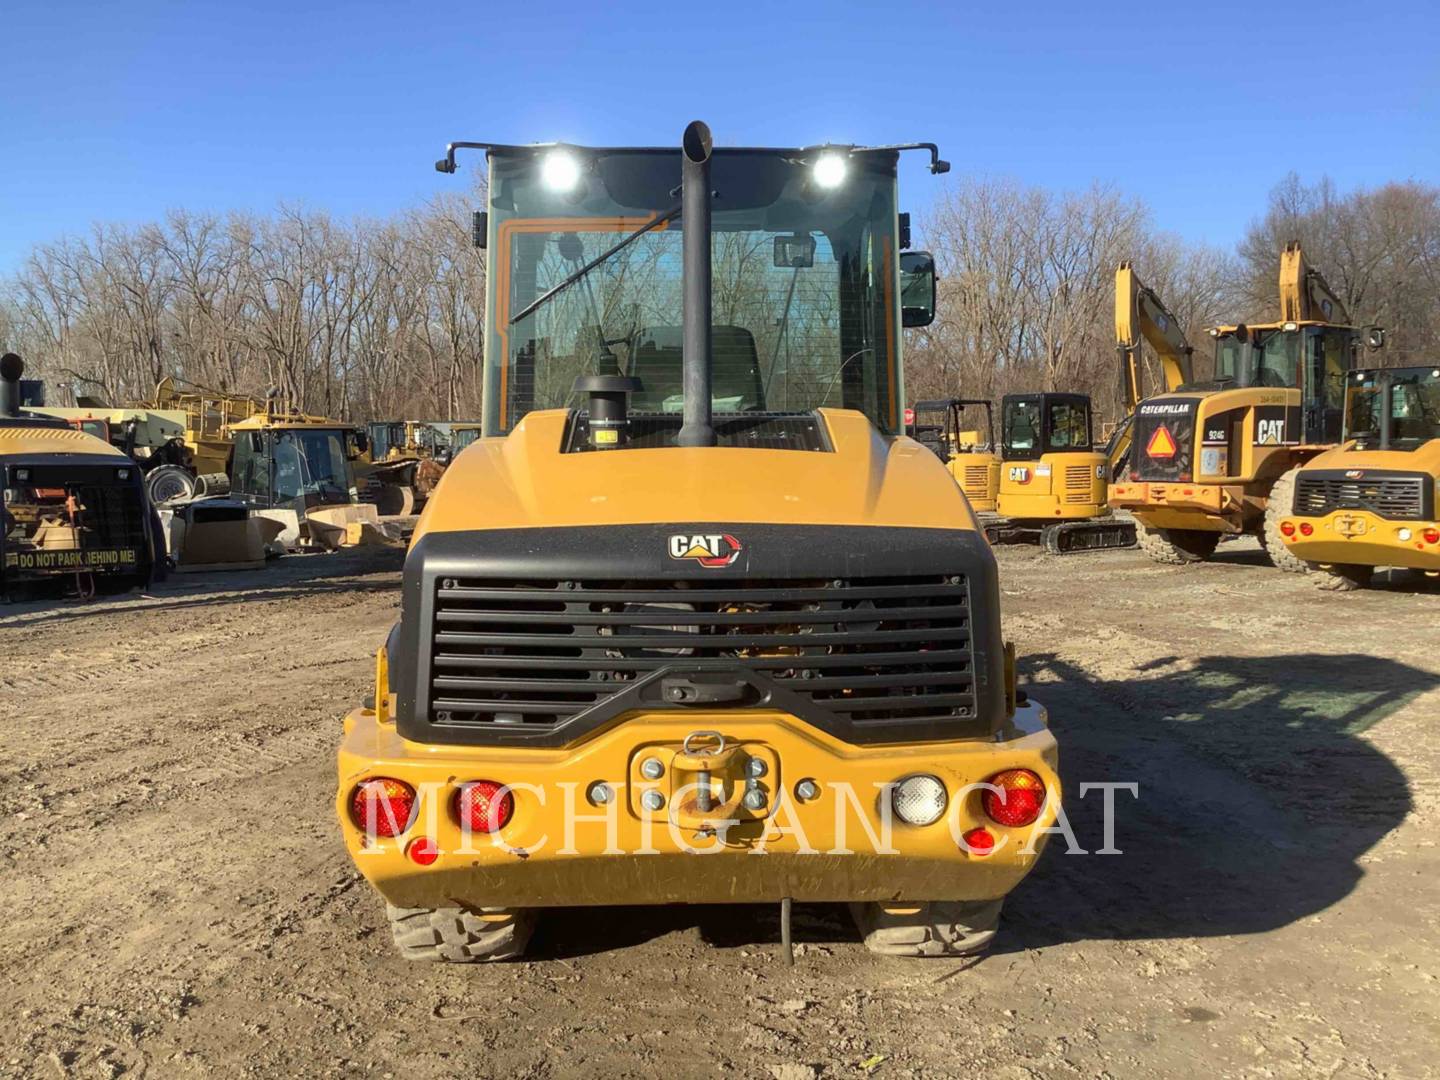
(693, 621)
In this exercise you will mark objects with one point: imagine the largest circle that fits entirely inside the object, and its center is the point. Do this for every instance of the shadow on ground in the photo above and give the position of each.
(1256, 798)
(1256, 794)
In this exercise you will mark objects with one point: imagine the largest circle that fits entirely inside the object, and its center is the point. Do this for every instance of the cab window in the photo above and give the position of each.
(1069, 423)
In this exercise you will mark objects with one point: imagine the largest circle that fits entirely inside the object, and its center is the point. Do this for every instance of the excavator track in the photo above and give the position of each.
(1071, 537)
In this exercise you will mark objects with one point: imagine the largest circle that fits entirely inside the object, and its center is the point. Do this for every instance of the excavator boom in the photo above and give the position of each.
(1305, 296)
(1139, 313)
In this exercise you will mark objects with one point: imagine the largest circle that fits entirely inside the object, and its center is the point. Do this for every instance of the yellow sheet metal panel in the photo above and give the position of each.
(524, 480)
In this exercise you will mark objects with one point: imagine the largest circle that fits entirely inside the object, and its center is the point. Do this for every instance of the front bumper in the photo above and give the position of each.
(560, 850)
(1360, 538)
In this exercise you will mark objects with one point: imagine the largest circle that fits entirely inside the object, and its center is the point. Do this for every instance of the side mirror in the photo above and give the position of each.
(917, 288)
(795, 252)
(1375, 337)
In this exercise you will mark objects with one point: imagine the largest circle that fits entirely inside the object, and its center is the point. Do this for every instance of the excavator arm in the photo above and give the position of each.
(1139, 314)
(1304, 294)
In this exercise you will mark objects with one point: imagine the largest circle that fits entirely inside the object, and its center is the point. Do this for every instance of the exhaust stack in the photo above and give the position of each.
(11, 368)
(696, 145)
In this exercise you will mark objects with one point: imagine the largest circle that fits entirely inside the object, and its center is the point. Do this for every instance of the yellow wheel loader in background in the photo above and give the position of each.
(1220, 460)
(694, 621)
(1370, 503)
(1044, 480)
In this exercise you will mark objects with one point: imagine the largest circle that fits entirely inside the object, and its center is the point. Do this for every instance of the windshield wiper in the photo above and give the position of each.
(664, 219)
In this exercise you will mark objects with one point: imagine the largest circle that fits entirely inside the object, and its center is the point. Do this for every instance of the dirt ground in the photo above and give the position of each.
(177, 900)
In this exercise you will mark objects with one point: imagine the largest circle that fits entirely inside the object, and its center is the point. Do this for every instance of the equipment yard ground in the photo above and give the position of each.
(178, 900)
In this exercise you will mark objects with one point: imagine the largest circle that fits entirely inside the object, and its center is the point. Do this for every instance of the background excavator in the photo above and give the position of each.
(1215, 460)
(1043, 480)
(1140, 315)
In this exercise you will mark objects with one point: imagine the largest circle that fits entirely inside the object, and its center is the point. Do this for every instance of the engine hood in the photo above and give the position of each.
(523, 480)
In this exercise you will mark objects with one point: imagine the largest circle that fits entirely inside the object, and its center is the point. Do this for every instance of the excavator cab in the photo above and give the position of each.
(1052, 480)
(961, 432)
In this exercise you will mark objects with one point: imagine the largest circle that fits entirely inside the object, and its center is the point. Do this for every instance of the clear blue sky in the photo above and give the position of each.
(116, 111)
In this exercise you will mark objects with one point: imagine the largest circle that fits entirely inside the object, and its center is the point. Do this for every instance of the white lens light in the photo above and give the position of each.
(919, 800)
(1404, 535)
(830, 170)
(560, 170)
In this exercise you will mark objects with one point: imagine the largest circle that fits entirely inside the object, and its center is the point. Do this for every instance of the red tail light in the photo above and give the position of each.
(481, 808)
(979, 841)
(382, 806)
(422, 851)
(1288, 528)
(1306, 528)
(1432, 536)
(1019, 799)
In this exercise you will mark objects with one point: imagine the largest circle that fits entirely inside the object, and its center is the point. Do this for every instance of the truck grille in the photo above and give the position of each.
(1394, 498)
(873, 651)
(1077, 483)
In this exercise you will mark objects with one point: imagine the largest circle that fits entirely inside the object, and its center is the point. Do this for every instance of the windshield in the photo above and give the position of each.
(1414, 407)
(1272, 360)
(310, 462)
(1020, 427)
(804, 306)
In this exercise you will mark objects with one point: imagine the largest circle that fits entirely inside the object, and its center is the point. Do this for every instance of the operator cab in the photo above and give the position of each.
(293, 466)
(1313, 358)
(810, 290)
(1412, 418)
(1033, 425)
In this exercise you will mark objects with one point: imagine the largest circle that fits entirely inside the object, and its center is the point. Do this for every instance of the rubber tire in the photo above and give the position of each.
(1342, 578)
(156, 477)
(460, 935)
(1281, 503)
(1176, 547)
(939, 928)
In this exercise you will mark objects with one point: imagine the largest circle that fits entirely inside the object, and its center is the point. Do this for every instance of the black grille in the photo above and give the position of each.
(113, 516)
(1396, 498)
(759, 431)
(872, 652)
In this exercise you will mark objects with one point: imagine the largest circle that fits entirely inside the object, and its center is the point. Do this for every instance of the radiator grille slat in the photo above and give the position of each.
(538, 653)
(1077, 483)
(1393, 498)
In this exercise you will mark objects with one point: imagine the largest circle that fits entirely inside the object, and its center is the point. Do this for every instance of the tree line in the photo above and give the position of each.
(379, 319)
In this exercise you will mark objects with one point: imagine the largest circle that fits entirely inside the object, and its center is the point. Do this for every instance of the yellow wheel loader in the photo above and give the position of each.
(1370, 502)
(693, 621)
(75, 516)
(1207, 462)
(1044, 480)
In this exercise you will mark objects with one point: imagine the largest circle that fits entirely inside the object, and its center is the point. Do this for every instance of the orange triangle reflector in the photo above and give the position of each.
(1162, 443)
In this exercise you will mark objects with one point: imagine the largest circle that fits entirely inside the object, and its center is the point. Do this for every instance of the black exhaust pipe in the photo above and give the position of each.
(11, 368)
(696, 143)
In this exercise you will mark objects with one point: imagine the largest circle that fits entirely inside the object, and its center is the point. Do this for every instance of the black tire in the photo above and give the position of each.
(1342, 578)
(460, 935)
(938, 928)
(1176, 547)
(169, 483)
(1280, 504)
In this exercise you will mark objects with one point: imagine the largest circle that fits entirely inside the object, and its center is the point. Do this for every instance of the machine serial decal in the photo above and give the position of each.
(711, 550)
